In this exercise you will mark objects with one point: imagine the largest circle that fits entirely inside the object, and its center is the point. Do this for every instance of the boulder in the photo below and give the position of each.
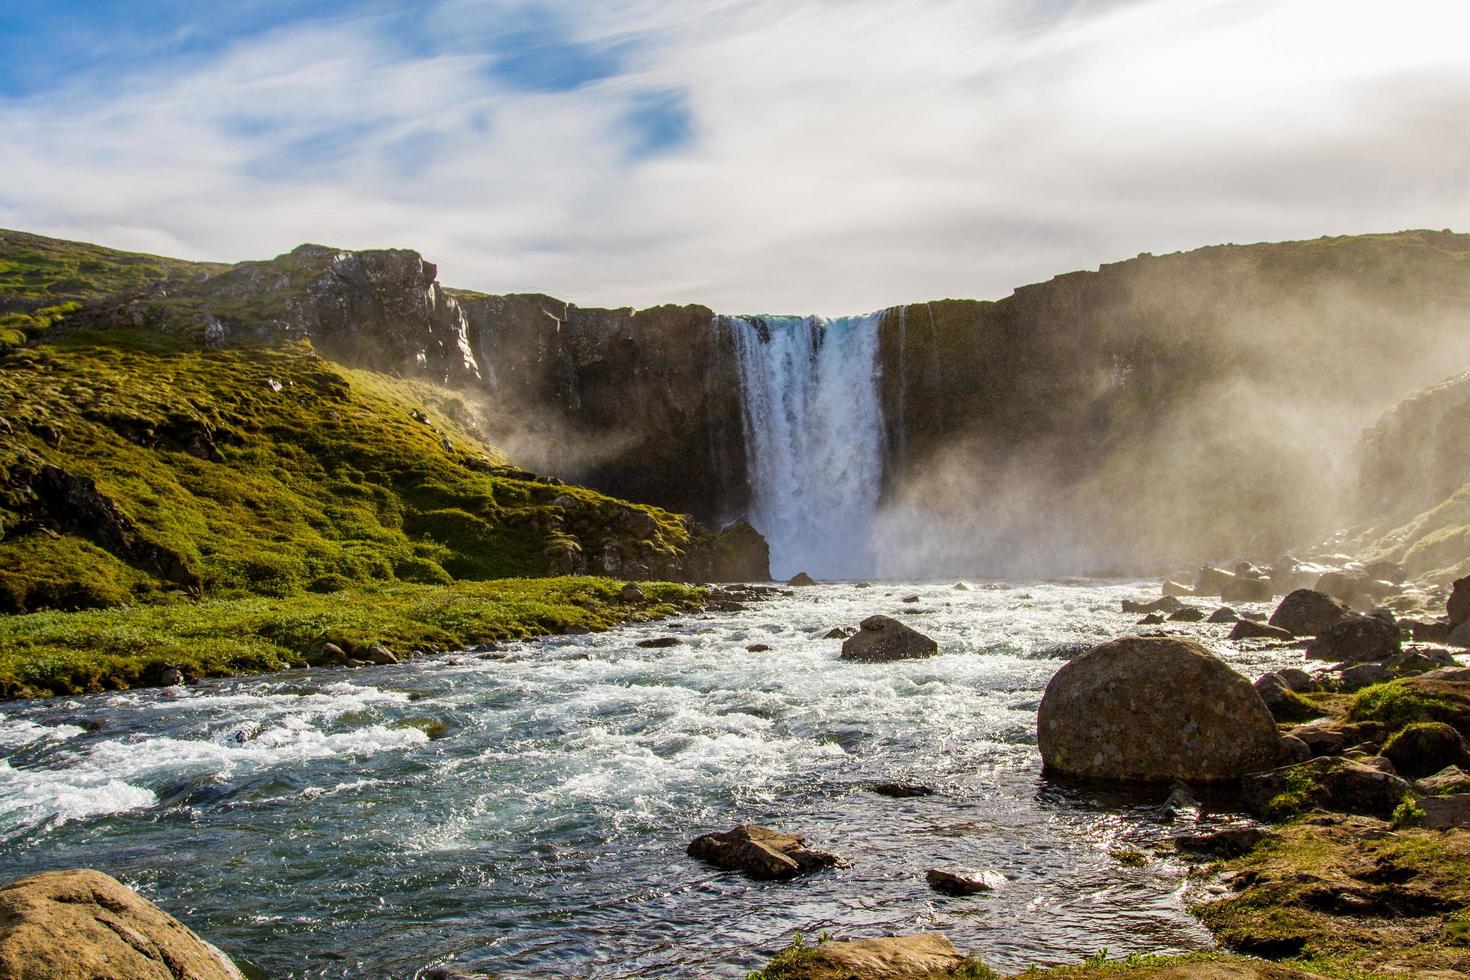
(170, 677)
(758, 648)
(1449, 780)
(1331, 783)
(920, 957)
(1292, 751)
(1332, 737)
(1357, 640)
(1431, 631)
(1211, 581)
(1249, 629)
(1458, 606)
(900, 790)
(1166, 605)
(1153, 709)
(1387, 571)
(884, 638)
(1344, 586)
(1176, 589)
(1307, 612)
(961, 587)
(1229, 841)
(910, 598)
(84, 924)
(1459, 636)
(1359, 676)
(1444, 812)
(659, 642)
(378, 654)
(1424, 748)
(631, 592)
(1281, 698)
(1244, 588)
(963, 881)
(740, 554)
(1152, 619)
(838, 633)
(1222, 615)
(1189, 614)
(801, 578)
(760, 853)
(1299, 680)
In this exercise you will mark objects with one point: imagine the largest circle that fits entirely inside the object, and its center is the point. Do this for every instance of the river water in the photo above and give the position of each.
(308, 823)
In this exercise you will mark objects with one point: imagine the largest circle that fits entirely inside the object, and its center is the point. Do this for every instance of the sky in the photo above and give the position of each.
(792, 156)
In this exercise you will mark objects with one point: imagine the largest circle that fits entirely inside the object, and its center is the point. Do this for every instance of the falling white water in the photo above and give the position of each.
(813, 425)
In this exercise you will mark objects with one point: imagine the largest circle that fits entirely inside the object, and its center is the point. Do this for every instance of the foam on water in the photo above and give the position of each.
(307, 814)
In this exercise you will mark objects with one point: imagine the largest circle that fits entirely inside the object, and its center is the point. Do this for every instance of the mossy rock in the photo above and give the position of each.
(1424, 748)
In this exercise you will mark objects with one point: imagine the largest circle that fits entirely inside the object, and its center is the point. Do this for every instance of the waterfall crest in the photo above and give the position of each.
(813, 424)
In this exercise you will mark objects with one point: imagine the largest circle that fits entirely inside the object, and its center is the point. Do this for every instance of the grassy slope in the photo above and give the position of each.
(255, 471)
(65, 653)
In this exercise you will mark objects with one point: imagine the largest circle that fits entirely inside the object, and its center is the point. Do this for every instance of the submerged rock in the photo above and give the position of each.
(760, 852)
(659, 642)
(963, 881)
(884, 638)
(1153, 709)
(900, 790)
(85, 924)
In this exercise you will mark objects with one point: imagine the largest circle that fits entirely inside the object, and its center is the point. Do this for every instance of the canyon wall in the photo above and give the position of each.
(1154, 411)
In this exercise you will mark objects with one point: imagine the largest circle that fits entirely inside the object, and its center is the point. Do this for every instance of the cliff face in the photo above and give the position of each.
(1155, 410)
(1413, 483)
(645, 403)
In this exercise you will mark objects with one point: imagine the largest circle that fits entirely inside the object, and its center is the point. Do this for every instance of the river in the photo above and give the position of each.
(310, 825)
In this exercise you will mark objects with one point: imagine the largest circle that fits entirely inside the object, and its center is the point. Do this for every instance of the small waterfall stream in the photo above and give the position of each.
(813, 423)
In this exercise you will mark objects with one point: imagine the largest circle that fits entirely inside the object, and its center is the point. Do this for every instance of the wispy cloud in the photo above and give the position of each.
(829, 155)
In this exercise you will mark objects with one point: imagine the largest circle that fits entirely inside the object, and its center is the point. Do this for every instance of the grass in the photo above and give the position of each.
(1347, 897)
(48, 271)
(1402, 702)
(79, 652)
(271, 471)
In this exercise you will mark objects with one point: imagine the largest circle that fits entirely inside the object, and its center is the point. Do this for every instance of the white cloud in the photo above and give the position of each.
(845, 154)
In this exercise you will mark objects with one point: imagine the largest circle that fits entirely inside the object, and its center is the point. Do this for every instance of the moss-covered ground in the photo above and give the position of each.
(267, 470)
(69, 653)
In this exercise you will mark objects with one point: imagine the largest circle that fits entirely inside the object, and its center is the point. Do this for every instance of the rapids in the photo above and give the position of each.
(308, 823)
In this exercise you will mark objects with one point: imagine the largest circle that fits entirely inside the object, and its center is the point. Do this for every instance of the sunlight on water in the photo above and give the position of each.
(307, 822)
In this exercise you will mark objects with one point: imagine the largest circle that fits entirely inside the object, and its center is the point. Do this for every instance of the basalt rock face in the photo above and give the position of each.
(644, 404)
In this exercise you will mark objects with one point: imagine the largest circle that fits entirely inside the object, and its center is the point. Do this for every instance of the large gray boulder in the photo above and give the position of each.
(82, 924)
(1307, 612)
(1357, 640)
(885, 638)
(1154, 709)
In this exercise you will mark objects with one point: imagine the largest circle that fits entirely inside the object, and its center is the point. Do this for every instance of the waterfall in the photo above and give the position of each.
(813, 424)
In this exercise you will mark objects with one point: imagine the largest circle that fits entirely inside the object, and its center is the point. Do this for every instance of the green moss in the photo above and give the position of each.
(1396, 704)
(1136, 965)
(70, 653)
(270, 471)
(1407, 813)
(37, 268)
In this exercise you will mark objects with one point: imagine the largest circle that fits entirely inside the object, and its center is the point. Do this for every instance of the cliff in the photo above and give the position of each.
(1154, 411)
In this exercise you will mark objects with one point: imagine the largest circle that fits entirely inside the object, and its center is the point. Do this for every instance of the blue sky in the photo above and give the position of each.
(801, 155)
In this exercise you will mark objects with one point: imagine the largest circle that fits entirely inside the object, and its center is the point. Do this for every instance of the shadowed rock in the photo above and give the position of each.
(1307, 612)
(884, 638)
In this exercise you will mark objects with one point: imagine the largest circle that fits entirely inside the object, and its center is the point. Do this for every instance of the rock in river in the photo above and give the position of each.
(1153, 709)
(963, 881)
(921, 957)
(1357, 640)
(885, 638)
(760, 852)
(1307, 612)
(84, 924)
(801, 578)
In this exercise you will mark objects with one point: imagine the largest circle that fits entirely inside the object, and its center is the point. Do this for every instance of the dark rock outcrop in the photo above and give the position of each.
(883, 638)
(740, 554)
(1152, 710)
(1332, 783)
(83, 923)
(1357, 640)
(1306, 612)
